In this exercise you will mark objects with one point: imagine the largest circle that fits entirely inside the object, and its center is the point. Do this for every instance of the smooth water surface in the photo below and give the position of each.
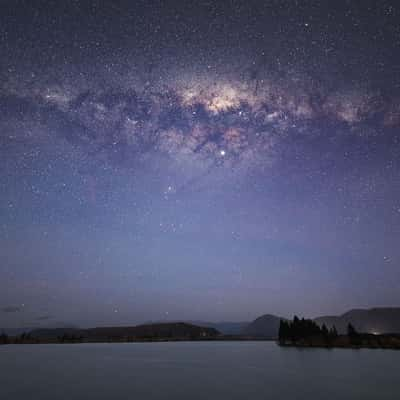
(195, 370)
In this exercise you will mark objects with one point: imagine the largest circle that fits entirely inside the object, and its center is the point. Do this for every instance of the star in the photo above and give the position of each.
(222, 137)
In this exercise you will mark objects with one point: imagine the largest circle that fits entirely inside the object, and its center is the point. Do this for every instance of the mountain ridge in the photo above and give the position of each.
(368, 320)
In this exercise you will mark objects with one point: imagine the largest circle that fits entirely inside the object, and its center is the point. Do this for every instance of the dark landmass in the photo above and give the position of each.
(178, 330)
(158, 332)
(224, 327)
(26, 329)
(365, 340)
(147, 332)
(307, 333)
(375, 323)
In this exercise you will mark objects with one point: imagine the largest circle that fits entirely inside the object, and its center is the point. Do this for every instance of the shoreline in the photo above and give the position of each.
(12, 341)
(219, 339)
(331, 347)
(344, 342)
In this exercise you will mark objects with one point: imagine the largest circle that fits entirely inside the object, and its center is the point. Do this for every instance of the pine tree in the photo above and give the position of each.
(333, 332)
(282, 330)
(351, 330)
(324, 331)
(3, 338)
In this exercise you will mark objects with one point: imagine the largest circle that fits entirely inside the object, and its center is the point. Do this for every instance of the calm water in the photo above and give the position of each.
(227, 370)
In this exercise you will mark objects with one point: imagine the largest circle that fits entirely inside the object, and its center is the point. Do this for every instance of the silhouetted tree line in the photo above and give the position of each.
(23, 338)
(4, 338)
(70, 339)
(303, 329)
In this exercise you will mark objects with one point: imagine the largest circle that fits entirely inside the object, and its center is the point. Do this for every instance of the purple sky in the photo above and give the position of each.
(166, 160)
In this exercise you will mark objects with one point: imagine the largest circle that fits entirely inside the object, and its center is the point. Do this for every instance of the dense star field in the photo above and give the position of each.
(165, 160)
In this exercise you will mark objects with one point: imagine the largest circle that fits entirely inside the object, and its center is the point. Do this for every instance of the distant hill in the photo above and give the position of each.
(20, 331)
(226, 328)
(15, 331)
(54, 333)
(265, 326)
(148, 331)
(374, 320)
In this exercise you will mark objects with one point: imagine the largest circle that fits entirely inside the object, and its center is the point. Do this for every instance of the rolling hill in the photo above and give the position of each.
(373, 320)
(179, 330)
(265, 326)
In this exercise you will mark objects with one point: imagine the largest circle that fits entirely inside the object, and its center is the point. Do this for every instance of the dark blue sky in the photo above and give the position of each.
(206, 160)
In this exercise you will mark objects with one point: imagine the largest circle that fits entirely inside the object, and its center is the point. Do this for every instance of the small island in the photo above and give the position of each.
(307, 333)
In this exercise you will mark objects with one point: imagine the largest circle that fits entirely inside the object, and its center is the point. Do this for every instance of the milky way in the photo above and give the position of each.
(192, 120)
(214, 161)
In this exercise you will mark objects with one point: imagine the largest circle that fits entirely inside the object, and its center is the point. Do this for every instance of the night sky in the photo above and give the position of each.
(186, 160)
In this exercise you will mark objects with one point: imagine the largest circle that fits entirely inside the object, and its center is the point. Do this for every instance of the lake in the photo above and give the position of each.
(195, 370)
